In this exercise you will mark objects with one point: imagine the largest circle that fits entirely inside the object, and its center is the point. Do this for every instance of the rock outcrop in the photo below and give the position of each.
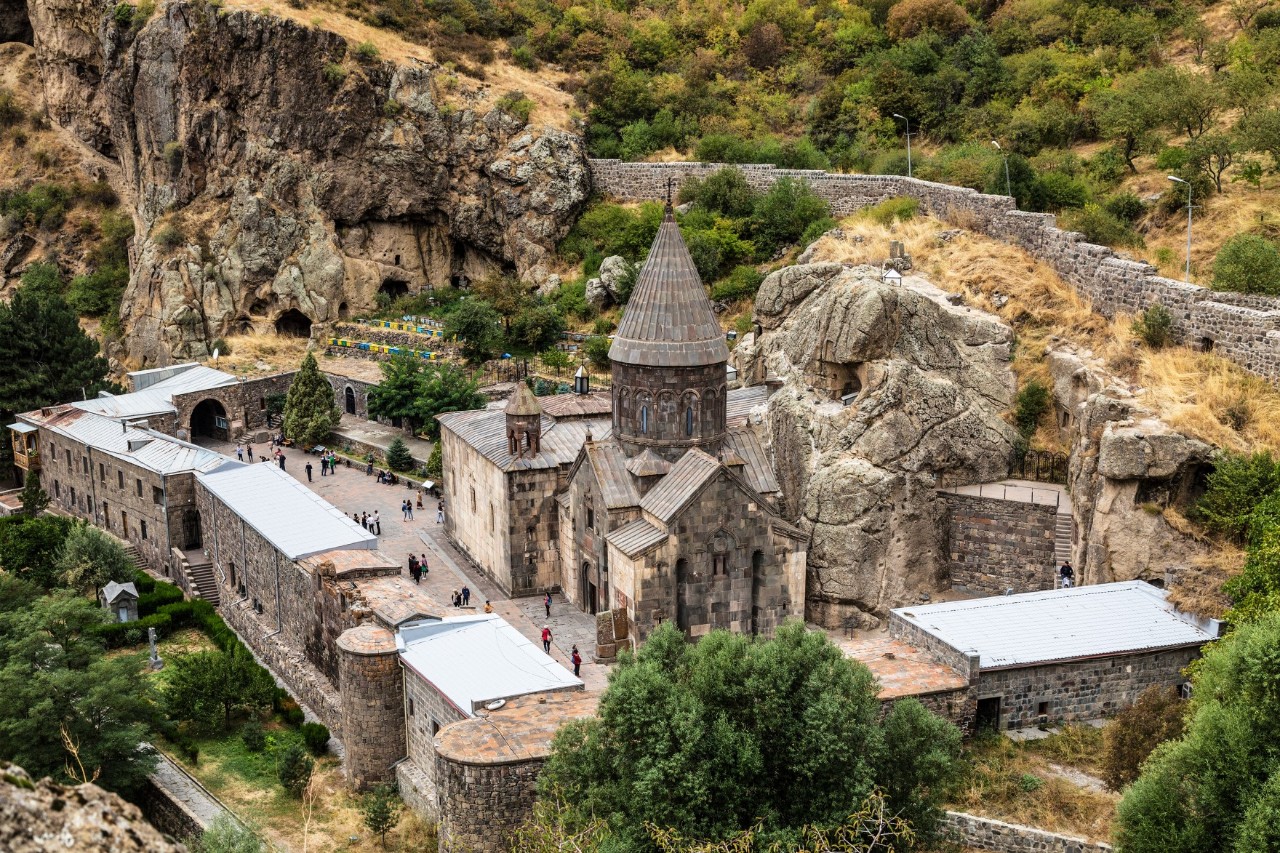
(279, 180)
(1127, 468)
(41, 816)
(887, 392)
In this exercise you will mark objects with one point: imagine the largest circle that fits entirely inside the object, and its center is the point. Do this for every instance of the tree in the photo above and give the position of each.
(418, 390)
(206, 688)
(1128, 115)
(310, 413)
(706, 740)
(381, 811)
(1247, 263)
(398, 456)
(1135, 732)
(294, 769)
(435, 462)
(477, 328)
(784, 212)
(1212, 153)
(58, 692)
(29, 547)
(917, 762)
(226, 835)
(596, 349)
(89, 559)
(535, 328)
(1214, 788)
(725, 192)
(505, 295)
(448, 389)
(34, 499)
(909, 18)
(1238, 483)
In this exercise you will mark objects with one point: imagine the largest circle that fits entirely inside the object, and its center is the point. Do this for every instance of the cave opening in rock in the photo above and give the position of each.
(243, 325)
(344, 313)
(293, 323)
(393, 289)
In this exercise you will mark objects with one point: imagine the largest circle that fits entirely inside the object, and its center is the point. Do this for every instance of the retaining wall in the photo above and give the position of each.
(1244, 328)
(995, 545)
(983, 833)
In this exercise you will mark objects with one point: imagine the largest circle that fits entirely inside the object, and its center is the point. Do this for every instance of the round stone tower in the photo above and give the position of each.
(371, 685)
(524, 422)
(669, 357)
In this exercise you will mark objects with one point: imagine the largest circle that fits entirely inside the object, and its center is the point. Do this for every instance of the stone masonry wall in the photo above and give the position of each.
(984, 833)
(1080, 690)
(244, 402)
(373, 705)
(481, 806)
(947, 655)
(1244, 328)
(426, 712)
(996, 545)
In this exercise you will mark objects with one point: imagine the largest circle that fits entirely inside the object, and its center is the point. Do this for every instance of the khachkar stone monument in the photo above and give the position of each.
(372, 688)
(154, 661)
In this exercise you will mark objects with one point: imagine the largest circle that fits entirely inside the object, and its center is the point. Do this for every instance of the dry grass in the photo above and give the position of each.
(268, 353)
(1198, 588)
(1201, 394)
(1013, 783)
(553, 106)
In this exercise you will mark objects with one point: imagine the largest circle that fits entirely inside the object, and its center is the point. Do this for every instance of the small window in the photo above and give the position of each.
(106, 509)
(410, 706)
(142, 529)
(1042, 710)
(720, 565)
(102, 472)
(68, 452)
(91, 504)
(137, 487)
(120, 480)
(262, 403)
(57, 489)
(591, 519)
(644, 419)
(688, 421)
(73, 497)
(435, 728)
(157, 495)
(85, 463)
(473, 500)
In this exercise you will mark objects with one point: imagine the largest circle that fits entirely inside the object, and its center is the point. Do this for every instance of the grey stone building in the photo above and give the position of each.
(658, 501)
(1058, 655)
(120, 600)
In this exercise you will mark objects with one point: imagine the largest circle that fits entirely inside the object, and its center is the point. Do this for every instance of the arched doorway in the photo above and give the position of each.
(209, 418)
(294, 323)
(350, 396)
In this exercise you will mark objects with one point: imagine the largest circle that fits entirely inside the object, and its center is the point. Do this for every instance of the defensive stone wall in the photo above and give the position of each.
(372, 704)
(482, 805)
(995, 545)
(984, 833)
(944, 653)
(1244, 328)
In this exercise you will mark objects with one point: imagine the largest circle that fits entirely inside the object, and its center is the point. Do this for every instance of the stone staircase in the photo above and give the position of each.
(132, 553)
(1064, 534)
(202, 578)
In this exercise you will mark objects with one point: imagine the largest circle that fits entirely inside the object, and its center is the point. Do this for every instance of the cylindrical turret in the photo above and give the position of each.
(371, 684)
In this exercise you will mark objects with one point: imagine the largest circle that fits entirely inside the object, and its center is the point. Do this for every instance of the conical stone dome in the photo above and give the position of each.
(668, 321)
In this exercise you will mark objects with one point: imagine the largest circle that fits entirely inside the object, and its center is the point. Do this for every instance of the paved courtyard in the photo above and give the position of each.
(352, 491)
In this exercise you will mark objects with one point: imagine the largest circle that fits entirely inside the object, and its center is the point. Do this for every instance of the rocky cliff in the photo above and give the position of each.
(887, 392)
(280, 180)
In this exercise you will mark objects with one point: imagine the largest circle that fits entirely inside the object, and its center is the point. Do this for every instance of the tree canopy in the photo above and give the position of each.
(710, 739)
(310, 413)
(418, 390)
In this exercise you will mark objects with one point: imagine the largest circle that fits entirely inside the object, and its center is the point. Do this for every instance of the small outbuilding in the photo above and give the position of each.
(1059, 655)
(120, 600)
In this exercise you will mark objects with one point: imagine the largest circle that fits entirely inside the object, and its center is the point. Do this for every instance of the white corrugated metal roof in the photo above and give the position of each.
(198, 378)
(472, 660)
(152, 450)
(157, 399)
(290, 516)
(1061, 624)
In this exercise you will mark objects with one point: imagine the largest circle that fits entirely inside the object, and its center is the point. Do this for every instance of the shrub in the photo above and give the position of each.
(316, 737)
(741, 283)
(1099, 226)
(221, 345)
(173, 155)
(1030, 404)
(1133, 733)
(1126, 207)
(725, 192)
(290, 712)
(816, 229)
(435, 462)
(162, 594)
(122, 15)
(1247, 263)
(398, 456)
(117, 635)
(596, 349)
(1153, 326)
(391, 108)
(909, 18)
(10, 112)
(892, 210)
(783, 213)
(1057, 191)
(253, 737)
(367, 50)
(294, 769)
(516, 104)
(525, 58)
(1238, 484)
(169, 236)
(334, 73)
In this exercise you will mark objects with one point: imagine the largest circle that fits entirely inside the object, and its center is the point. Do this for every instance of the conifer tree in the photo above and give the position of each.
(381, 810)
(398, 456)
(310, 413)
(34, 499)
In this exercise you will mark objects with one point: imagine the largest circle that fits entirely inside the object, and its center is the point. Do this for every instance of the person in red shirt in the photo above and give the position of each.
(577, 662)
(546, 638)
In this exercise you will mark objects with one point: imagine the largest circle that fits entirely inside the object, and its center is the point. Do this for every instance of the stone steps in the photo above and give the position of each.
(1064, 531)
(205, 583)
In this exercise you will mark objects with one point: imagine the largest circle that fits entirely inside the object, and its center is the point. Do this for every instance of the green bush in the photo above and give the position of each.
(334, 73)
(163, 593)
(1135, 732)
(1125, 206)
(1238, 484)
(117, 635)
(524, 57)
(170, 236)
(741, 283)
(316, 737)
(367, 50)
(596, 349)
(398, 456)
(783, 214)
(253, 736)
(1248, 263)
(517, 105)
(892, 210)
(1030, 405)
(1100, 226)
(221, 345)
(1153, 326)
(295, 766)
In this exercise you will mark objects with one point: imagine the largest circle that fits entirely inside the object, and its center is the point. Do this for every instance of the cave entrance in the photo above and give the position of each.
(393, 288)
(209, 419)
(344, 313)
(293, 323)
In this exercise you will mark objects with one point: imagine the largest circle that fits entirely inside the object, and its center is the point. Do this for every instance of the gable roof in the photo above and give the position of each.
(146, 448)
(157, 398)
(694, 470)
(609, 463)
(485, 430)
(756, 471)
(1061, 624)
(638, 536)
(114, 590)
(668, 322)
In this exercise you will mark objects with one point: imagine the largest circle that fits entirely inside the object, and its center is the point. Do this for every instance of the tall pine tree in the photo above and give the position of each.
(310, 413)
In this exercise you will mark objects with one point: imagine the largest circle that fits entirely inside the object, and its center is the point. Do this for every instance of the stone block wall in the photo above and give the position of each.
(1245, 329)
(960, 706)
(481, 805)
(245, 403)
(963, 663)
(426, 712)
(995, 545)
(984, 833)
(373, 705)
(1080, 690)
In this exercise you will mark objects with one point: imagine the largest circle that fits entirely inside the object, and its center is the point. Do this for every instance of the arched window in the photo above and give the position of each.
(688, 421)
(644, 419)
(757, 563)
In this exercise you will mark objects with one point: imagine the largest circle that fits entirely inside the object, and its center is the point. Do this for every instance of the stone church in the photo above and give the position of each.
(656, 501)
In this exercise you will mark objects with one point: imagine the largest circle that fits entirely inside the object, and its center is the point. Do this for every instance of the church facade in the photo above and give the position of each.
(657, 501)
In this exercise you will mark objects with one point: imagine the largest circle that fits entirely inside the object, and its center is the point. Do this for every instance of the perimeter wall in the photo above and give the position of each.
(1243, 327)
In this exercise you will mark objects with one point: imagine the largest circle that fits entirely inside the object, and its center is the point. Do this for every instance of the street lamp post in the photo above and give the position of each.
(908, 121)
(1178, 180)
(1008, 187)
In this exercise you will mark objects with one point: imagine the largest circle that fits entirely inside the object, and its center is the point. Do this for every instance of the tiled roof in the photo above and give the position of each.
(637, 537)
(668, 321)
(521, 730)
(675, 490)
(1061, 624)
(577, 405)
(740, 401)
(648, 464)
(757, 470)
(486, 431)
(522, 402)
(610, 465)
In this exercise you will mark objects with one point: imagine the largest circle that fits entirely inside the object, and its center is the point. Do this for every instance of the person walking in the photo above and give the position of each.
(408, 508)
(440, 513)
(1066, 574)
(281, 458)
(546, 602)
(309, 480)
(415, 571)
(376, 524)
(249, 450)
(546, 638)
(466, 596)
(240, 453)
(404, 510)
(577, 663)
(422, 563)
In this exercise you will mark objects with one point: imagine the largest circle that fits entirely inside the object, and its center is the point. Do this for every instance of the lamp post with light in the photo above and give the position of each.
(908, 121)
(1008, 187)
(1178, 180)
